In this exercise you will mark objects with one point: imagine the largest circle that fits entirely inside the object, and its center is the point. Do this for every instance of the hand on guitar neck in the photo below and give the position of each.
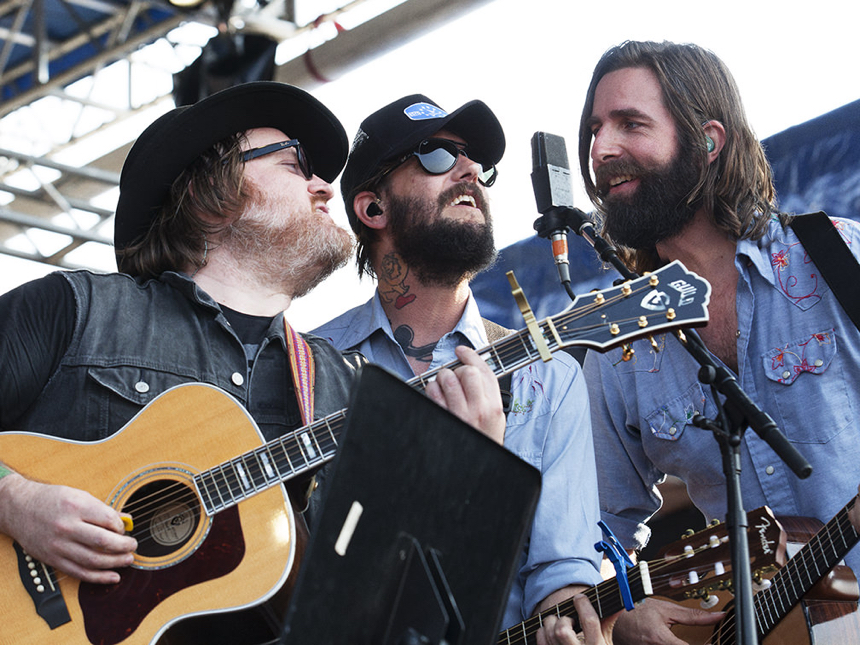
(471, 392)
(66, 528)
(559, 631)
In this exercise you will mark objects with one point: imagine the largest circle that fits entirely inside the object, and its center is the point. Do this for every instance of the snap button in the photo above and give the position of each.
(673, 430)
(819, 363)
(769, 470)
(141, 387)
(786, 374)
(237, 378)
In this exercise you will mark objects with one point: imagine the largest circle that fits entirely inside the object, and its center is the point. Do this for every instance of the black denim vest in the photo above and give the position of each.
(134, 341)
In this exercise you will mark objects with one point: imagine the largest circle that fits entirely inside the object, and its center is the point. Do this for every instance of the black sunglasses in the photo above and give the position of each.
(438, 156)
(305, 164)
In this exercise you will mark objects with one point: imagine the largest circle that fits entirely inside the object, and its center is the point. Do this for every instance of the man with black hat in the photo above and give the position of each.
(414, 190)
(222, 220)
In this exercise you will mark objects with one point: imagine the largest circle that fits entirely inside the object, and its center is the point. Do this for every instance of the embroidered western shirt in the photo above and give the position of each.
(798, 359)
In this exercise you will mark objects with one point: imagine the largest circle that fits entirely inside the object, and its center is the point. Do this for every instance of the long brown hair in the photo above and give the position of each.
(737, 188)
(203, 200)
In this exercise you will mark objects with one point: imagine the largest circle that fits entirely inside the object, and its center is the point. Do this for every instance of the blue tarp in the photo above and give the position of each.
(816, 167)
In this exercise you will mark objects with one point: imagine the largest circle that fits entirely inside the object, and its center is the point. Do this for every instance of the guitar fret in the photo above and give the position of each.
(270, 468)
(203, 491)
(597, 600)
(232, 485)
(255, 468)
(283, 446)
(241, 475)
(220, 503)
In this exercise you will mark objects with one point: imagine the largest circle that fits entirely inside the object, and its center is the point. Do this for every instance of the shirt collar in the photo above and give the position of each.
(754, 253)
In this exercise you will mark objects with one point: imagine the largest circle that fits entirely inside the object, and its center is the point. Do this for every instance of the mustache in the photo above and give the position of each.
(466, 188)
(610, 169)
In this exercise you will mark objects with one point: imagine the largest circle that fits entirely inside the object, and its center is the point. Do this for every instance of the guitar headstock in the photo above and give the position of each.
(700, 564)
(669, 298)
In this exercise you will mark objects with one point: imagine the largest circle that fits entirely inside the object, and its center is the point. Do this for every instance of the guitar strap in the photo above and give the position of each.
(302, 368)
(497, 332)
(834, 260)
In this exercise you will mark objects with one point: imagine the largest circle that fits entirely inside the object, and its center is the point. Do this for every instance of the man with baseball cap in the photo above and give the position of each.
(222, 220)
(414, 187)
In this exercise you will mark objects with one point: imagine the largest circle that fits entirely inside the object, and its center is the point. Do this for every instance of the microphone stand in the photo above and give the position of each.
(735, 414)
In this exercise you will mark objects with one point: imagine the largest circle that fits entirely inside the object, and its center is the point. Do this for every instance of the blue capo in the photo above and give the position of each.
(619, 558)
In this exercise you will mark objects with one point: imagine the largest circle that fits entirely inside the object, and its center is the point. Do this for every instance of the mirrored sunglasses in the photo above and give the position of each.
(438, 156)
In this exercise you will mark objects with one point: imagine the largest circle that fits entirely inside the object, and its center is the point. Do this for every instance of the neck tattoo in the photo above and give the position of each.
(404, 337)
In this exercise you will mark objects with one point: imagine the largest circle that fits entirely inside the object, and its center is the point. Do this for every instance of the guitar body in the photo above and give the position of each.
(187, 563)
(827, 614)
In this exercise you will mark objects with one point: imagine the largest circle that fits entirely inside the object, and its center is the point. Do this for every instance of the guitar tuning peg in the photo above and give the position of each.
(709, 601)
(654, 344)
(759, 583)
(627, 352)
(688, 533)
(714, 522)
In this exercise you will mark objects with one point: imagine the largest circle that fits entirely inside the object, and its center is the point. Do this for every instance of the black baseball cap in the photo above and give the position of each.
(174, 140)
(400, 126)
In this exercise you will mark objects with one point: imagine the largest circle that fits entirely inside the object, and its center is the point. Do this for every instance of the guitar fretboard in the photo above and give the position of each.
(809, 565)
(604, 597)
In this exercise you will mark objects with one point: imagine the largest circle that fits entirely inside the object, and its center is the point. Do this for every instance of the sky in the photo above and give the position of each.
(531, 62)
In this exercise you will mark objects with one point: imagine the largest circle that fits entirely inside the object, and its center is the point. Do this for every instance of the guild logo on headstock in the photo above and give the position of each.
(655, 301)
(685, 289)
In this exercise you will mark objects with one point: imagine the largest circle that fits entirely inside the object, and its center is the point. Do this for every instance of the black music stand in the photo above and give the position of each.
(421, 528)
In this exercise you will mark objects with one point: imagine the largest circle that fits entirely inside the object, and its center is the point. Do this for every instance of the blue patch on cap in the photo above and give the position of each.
(424, 111)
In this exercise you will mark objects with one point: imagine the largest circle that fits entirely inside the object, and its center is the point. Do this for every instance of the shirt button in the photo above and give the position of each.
(141, 387)
(786, 374)
(819, 363)
(237, 378)
(673, 430)
(769, 470)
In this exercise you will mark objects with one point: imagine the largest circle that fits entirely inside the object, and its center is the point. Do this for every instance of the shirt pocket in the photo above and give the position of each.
(669, 421)
(809, 389)
(116, 394)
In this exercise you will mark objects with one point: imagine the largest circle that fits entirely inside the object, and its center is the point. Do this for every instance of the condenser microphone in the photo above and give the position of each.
(553, 195)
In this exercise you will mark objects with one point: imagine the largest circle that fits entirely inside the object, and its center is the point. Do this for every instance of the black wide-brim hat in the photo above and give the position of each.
(401, 125)
(173, 141)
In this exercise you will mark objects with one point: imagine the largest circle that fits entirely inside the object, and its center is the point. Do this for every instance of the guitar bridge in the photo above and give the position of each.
(39, 581)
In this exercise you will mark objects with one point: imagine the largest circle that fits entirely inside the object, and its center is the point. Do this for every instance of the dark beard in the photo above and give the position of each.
(658, 210)
(440, 251)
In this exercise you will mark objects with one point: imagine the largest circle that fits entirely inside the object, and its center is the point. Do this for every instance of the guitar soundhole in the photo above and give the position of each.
(166, 514)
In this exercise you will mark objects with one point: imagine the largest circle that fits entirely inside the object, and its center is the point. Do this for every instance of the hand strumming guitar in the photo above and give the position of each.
(66, 528)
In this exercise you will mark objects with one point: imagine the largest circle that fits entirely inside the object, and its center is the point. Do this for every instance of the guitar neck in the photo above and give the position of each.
(311, 446)
(809, 565)
(638, 309)
(604, 597)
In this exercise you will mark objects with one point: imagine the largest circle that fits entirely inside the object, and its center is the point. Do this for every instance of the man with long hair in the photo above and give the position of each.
(676, 173)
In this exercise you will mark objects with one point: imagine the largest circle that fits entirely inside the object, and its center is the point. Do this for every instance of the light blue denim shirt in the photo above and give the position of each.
(799, 360)
(548, 426)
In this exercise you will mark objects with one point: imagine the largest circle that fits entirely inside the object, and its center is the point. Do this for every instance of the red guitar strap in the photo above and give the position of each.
(302, 368)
